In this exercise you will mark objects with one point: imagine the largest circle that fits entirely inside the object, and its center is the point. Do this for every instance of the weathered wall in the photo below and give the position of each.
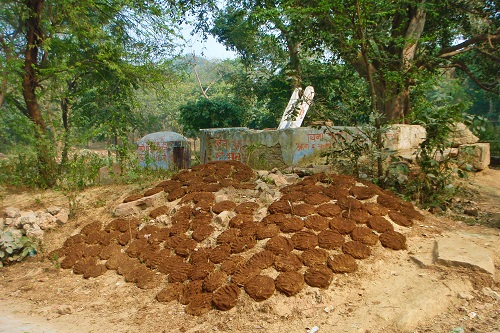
(243, 144)
(265, 149)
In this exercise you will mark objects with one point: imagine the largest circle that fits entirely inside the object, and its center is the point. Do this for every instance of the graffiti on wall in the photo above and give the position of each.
(228, 150)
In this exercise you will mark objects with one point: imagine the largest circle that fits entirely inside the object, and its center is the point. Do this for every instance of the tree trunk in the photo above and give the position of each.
(65, 117)
(393, 103)
(294, 64)
(34, 39)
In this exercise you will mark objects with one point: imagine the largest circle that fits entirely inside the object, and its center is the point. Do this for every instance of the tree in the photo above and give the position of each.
(403, 40)
(393, 45)
(69, 49)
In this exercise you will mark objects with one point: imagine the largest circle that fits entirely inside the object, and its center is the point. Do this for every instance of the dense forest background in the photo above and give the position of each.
(110, 71)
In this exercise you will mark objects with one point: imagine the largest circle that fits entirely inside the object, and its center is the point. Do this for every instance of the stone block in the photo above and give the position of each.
(457, 251)
(477, 155)
(461, 135)
(403, 138)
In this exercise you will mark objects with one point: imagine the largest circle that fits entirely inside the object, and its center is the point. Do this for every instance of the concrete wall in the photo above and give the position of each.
(278, 148)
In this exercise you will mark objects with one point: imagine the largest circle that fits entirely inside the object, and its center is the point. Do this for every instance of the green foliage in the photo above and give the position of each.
(82, 170)
(360, 151)
(206, 113)
(431, 183)
(21, 168)
(14, 246)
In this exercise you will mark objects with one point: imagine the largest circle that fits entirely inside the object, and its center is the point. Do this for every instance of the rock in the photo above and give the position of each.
(456, 251)
(461, 135)
(221, 197)
(134, 207)
(27, 218)
(266, 197)
(34, 232)
(126, 209)
(491, 293)
(291, 178)
(471, 212)
(12, 212)
(223, 218)
(465, 295)
(262, 173)
(278, 179)
(65, 310)
(8, 221)
(46, 221)
(53, 210)
(263, 187)
(2, 222)
(62, 216)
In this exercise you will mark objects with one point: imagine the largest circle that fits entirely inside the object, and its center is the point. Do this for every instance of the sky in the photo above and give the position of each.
(210, 48)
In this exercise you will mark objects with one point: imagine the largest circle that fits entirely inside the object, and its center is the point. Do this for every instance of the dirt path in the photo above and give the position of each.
(390, 292)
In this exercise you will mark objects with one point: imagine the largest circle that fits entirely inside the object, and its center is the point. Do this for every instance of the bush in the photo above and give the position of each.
(214, 113)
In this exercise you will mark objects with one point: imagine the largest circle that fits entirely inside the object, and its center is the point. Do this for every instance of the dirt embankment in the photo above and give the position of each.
(222, 251)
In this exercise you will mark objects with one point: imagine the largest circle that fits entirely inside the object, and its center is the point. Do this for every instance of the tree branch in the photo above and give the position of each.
(460, 65)
(203, 91)
(450, 51)
(489, 55)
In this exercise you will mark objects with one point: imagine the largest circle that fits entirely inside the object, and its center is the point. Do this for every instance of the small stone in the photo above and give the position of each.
(471, 212)
(12, 212)
(65, 310)
(53, 210)
(62, 216)
(223, 218)
(466, 296)
(491, 293)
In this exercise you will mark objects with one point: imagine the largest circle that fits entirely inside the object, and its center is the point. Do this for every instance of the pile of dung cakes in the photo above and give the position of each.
(321, 226)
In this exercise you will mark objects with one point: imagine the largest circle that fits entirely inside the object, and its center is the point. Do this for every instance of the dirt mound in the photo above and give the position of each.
(315, 230)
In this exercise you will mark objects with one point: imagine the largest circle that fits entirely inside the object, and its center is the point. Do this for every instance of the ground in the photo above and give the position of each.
(392, 291)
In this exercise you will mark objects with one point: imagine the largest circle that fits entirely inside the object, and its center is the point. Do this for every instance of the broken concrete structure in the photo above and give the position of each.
(265, 149)
(288, 147)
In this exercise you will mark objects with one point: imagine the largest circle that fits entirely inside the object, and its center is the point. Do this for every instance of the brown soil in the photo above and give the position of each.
(174, 272)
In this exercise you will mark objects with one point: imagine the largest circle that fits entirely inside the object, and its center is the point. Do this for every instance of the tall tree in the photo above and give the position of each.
(392, 44)
(78, 46)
